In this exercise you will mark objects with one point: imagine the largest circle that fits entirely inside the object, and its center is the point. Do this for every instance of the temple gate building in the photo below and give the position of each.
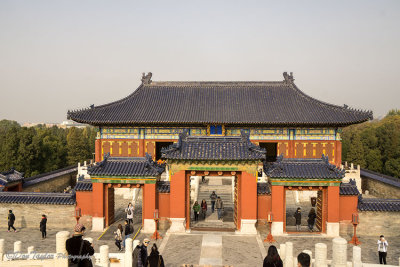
(219, 129)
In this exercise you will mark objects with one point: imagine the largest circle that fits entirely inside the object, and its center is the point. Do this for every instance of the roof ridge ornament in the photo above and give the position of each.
(146, 79)
(289, 79)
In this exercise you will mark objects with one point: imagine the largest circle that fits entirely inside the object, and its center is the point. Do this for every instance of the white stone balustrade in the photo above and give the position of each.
(17, 246)
(1, 249)
(357, 257)
(339, 252)
(289, 254)
(282, 251)
(128, 252)
(321, 254)
(104, 258)
(61, 259)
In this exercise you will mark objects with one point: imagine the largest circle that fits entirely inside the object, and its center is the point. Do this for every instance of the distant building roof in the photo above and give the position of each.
(236, 103)
(10, 177)
(293, 168)
(380, 177)
(378, 204)
(349, 188)
(37, 198)
(126, 166)
(213, 148)
(44, 177)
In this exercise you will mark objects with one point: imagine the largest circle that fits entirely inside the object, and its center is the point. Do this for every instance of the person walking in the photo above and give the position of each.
(118, 237)
(196, 210)
(213, 198)
(42, 226)
(79, 250)
(204, 208)
(382, 249)
(220, 207)
(128, 231)
(297, 216)
(311, 219)
(129, 213)
(303, 260)
(11, 220)
(272, 259)
(155, 259)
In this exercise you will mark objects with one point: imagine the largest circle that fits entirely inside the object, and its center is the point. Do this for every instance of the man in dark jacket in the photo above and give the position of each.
(297, 216)
(79, 250)
(128, 231)
(11, 220)
(42, 226)
(139, 254)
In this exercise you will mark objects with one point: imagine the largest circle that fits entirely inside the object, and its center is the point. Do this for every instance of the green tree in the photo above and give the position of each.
(355, 153)
(77, 146)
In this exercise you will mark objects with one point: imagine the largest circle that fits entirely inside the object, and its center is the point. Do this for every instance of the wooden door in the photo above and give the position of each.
(236, 215)
(109, 209)
(319, 222)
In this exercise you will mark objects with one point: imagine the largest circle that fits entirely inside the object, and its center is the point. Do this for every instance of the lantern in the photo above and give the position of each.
(270, 217)
(355, 218)
(155, 214)
(78, 214)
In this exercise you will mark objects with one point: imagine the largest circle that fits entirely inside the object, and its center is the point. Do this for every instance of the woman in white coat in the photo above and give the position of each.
(129, 213)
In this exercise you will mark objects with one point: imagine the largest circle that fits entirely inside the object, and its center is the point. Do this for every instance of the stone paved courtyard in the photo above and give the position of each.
(234, 250)
(212, 248)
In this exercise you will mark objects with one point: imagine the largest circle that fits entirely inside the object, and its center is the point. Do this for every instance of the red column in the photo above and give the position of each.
(98, 198)
(178, 195)
(278, 200)
(248, 196)
(333, 204)
(149, 201)
(338, 153)
(291, 149)
(97, 150)
(142, 149)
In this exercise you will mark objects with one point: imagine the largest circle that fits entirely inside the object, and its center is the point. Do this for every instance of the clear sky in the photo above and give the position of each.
(60, 55)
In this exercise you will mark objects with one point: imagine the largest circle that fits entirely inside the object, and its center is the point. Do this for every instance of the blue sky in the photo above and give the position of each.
(60, 55)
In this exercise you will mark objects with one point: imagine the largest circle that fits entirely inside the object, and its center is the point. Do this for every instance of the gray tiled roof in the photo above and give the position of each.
(83, 186)
(38, 198)
(163, 186)
(126, 166)
(380, 177)
(263, 189)
(349, 188)
(10, 176)
(235, 103)
(213, 148)
(48, 176)
(378, 204)
(303, 168)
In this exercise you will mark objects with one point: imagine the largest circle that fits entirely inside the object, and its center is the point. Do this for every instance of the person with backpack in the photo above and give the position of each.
(129, 213)
(118, 237)
(311, 219)
(219, 205)
(79, 250)
(204, 208)
(155, 259)
(128, 231)
(11, 220)
(42, 226)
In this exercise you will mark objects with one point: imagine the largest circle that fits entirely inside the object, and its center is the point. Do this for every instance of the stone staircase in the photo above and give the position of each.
(223, 188)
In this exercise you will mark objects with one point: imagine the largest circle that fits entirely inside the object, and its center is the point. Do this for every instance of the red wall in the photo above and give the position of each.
(278, 202)
(84, 201)
(264, 206)
(149, 201)
(163, 205)
(347, 206)
(248, 196)
(177, 195)
(333, 204)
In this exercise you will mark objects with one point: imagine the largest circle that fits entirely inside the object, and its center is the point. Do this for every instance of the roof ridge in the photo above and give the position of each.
(214, 83)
